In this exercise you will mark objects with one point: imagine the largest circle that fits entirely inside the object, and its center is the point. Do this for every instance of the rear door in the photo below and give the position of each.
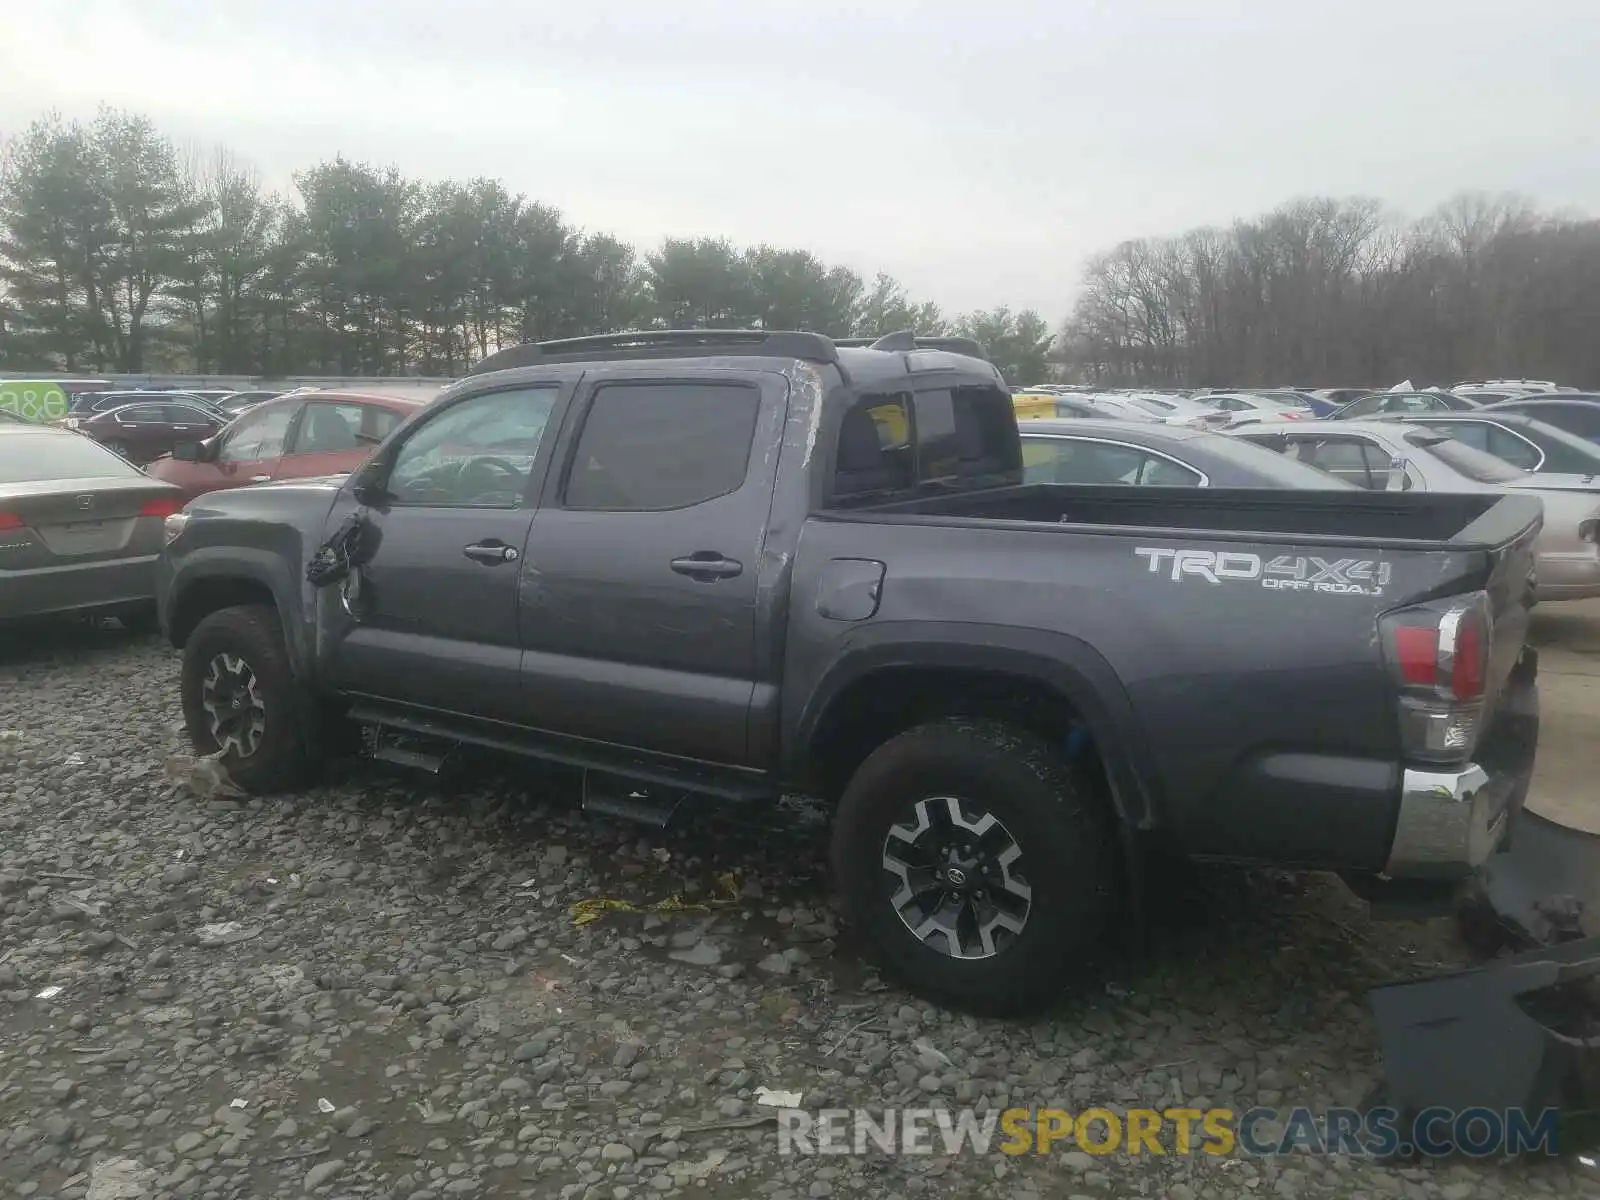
(643, 570)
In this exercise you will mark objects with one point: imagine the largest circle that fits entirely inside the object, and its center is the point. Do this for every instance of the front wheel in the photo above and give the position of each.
(240, 698)
(979, 865)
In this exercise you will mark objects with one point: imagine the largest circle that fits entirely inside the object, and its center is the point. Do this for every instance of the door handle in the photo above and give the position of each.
(261, 479)
(490, 553)
(707, 566)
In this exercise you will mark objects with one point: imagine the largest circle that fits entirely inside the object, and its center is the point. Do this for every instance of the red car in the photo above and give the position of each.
(298, 436)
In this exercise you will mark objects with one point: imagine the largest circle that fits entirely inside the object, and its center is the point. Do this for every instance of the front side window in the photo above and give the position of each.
(478, 453)
(257, 436)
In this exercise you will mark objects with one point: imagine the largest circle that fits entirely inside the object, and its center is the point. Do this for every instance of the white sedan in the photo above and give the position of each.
(1245, 408)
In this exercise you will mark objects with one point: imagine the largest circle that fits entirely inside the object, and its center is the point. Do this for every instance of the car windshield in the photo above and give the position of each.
(1293, 399)
(1474, 464)
(29, 459)
(1278, 470)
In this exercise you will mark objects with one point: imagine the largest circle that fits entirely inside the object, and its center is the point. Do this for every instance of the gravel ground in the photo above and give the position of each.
(378, 988)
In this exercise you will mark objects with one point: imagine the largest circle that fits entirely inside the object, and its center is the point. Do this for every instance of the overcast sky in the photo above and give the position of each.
(977, 151)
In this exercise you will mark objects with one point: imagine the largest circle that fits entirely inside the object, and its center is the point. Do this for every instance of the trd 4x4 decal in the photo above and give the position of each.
(1285, 573)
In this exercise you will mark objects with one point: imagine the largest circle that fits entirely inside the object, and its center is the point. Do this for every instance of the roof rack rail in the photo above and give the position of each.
(664, 343)
(905, 339)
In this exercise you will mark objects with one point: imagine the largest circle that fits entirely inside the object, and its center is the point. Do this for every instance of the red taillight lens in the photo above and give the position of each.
(1416, 653)
(162, 506)
(10, 521)
(1439, 654)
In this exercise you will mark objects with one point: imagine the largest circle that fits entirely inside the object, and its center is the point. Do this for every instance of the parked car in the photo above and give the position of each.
(1297, 399)
(1520, 440)
(1486, 396)
(1153, 455)
(145, 430)
(237, 402)
(1336, 398)
(1392, 456)
(89, 404)
(1518, 385)
(1176, 410)
(79, 528)
(1116, 408)
(212, 396)
(1383, 403)
(1576, 412)
(713, 563)
(291, 437)
(1247, 407)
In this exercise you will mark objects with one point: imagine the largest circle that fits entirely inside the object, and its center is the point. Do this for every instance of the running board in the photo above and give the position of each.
(610, 796)
(385, 746)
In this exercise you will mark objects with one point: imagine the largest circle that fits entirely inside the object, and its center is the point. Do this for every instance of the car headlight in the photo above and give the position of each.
(172, 527)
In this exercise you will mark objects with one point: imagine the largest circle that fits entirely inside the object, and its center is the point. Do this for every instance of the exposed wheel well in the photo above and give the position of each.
(877, 707)
(205, 596)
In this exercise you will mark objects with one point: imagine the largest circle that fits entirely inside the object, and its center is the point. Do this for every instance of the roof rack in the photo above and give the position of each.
(664, 343)
(907, 340)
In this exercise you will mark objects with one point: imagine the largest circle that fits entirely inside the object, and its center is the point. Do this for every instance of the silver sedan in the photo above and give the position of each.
(79, 527)
(1398, 456)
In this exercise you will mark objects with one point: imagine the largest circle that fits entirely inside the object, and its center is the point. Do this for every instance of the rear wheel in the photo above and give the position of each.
(240, 699)
(978, 864)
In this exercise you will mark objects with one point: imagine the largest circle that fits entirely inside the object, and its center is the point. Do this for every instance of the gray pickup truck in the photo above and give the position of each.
(746, 564)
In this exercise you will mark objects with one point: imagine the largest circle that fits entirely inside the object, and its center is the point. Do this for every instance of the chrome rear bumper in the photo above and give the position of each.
(1452, 820)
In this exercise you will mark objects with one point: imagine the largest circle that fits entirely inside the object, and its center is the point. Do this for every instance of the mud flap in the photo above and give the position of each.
(1518, 1033)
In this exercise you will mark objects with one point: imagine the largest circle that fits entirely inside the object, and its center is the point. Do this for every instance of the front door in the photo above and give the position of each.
(437, 618)
(251, 446)
(644, 565)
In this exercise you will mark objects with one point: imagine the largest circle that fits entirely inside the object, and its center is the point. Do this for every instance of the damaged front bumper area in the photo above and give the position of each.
(1452, 820)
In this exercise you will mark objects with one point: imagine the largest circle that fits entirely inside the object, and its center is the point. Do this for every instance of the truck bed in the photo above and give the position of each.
(1411, 520)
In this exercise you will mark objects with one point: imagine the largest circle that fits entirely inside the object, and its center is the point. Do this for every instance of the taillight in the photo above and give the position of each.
(9, 521)
(161, 506)
(1439, 656)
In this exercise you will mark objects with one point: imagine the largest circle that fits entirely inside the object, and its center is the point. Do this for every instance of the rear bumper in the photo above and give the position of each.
(1569, 576)
(85, 588)
(1451, 821)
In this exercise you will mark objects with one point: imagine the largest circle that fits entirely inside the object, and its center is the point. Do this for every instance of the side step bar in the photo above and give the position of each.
(610, 796)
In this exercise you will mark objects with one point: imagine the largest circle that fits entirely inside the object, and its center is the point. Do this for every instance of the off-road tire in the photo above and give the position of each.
(252, 633)
(1055, 812)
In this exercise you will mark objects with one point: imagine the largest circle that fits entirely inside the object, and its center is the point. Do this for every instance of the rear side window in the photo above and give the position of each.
(649, 447)
(891, 443)
(1474, 464)
(1082, 461)
(1352, 460)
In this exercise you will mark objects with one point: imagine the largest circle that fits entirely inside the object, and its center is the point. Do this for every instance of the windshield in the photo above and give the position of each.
(28, 459)
(1474, 464)
(1278, 470)
(1293, 399)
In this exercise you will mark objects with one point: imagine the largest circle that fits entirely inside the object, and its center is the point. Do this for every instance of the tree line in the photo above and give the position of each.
(118, 253)
(1328, 292)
